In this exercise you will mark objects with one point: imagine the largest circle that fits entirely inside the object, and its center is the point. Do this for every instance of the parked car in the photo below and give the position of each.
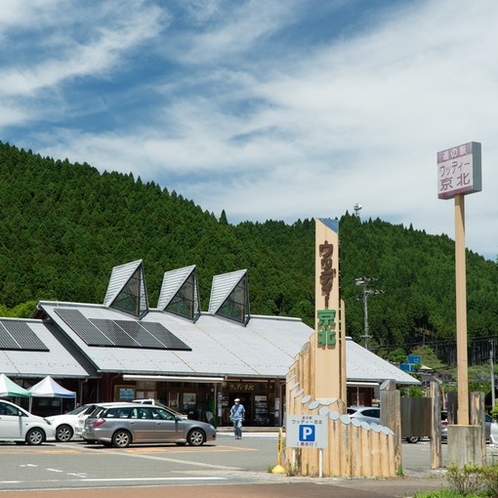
(371, 414)
(493, 432)
(444, 425)
(70, 424)
(20, 426)
(368, 414)
(121, 424)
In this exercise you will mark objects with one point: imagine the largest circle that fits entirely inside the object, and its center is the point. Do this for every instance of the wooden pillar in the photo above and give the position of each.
(327, 374)
(476, 412)
(436, 460)
(461, 311)
(390, 413)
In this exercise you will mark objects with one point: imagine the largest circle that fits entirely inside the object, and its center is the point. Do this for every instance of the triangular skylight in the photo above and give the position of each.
(180, 293)
(126, 290)
(230, 296)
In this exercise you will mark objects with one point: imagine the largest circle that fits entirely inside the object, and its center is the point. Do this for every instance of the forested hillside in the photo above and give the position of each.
(64, 226)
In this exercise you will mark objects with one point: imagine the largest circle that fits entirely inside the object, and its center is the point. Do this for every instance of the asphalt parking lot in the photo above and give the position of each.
(222, 469)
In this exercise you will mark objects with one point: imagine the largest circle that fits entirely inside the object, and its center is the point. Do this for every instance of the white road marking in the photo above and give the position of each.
(149, 479)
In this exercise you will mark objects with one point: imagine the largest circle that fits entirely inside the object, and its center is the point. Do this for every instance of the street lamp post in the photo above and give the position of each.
(366, 292)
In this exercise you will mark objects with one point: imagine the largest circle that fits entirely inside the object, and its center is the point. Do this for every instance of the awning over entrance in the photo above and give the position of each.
(174, 378)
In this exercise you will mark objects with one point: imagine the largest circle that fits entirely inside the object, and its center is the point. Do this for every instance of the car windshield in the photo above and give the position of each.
(78, 410)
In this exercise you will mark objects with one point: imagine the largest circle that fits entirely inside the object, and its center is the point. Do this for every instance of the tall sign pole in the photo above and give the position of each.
(459, 173)
(329, 365)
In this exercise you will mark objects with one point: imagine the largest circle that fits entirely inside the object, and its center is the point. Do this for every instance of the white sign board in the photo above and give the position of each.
(459, 170)
(306, 431)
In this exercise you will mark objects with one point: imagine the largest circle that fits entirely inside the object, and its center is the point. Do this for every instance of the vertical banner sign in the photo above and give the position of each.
(459, 170)
(327, 368)
(459, 173)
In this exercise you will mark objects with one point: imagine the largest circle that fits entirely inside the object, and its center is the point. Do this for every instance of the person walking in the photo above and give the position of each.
(237, 416)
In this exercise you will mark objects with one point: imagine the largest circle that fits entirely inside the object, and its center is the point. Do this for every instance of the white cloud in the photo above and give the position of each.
(233, 115)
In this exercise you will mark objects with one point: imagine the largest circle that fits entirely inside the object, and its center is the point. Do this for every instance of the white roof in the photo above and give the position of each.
(364, 366)
(58, 360)
(265, 347)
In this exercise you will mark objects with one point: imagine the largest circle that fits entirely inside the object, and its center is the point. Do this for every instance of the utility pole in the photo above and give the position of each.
(366, 292)
(492, 374)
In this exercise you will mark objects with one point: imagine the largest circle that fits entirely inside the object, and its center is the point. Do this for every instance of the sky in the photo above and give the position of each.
(266, 109)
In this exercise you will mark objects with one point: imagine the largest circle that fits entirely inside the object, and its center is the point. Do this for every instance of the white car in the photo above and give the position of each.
(20, 426)
(70, 424)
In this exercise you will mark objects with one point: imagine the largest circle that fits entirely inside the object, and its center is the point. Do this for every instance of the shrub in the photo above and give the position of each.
(467, 479)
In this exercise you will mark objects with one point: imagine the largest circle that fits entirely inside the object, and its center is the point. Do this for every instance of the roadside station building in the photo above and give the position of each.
(196, 362)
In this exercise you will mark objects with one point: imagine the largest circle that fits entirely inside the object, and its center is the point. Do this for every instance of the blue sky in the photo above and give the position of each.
(268, 109)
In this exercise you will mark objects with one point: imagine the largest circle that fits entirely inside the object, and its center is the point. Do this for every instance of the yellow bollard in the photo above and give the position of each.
(279, 469)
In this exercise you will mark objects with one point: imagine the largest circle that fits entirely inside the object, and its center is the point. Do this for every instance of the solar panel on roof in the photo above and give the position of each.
(115, 333)
(17, 335)
(90, 334)
(140, 334)
(6, 340)
(164, 336)
(120, 333)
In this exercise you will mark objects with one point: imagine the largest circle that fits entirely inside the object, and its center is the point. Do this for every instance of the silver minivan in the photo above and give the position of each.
(121, 424)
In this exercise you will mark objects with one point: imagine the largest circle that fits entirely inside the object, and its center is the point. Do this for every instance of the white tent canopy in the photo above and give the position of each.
(48, 388)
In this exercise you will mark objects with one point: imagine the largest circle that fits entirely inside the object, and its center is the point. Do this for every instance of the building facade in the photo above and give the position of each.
(196, 362)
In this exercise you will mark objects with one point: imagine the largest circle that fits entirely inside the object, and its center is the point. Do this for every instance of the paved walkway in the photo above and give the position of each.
(278, 487)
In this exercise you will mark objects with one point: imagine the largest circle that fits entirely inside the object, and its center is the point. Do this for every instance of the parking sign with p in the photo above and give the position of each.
(306, 431)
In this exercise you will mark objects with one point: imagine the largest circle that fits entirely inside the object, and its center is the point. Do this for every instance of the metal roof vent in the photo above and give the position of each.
(230, 296)
(126, 290)
(180, 293)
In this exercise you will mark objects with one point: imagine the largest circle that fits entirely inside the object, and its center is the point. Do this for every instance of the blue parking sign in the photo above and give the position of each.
(307, 433)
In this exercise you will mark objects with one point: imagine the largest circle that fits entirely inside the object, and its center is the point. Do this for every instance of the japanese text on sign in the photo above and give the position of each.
(326, 318)
(326, 327)
(306, 431)
(328, 272)
(459, 170)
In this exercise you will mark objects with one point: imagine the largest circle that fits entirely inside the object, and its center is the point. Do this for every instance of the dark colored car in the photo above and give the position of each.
(371, 414)
(121, 424)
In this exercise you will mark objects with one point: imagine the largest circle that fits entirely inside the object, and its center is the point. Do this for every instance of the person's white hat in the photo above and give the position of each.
(237, 400)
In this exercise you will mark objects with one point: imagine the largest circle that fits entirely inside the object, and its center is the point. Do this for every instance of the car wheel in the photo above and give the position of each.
(196, 437)
(35, 436)
(63, 433)
(121, 439)
(412, 439)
